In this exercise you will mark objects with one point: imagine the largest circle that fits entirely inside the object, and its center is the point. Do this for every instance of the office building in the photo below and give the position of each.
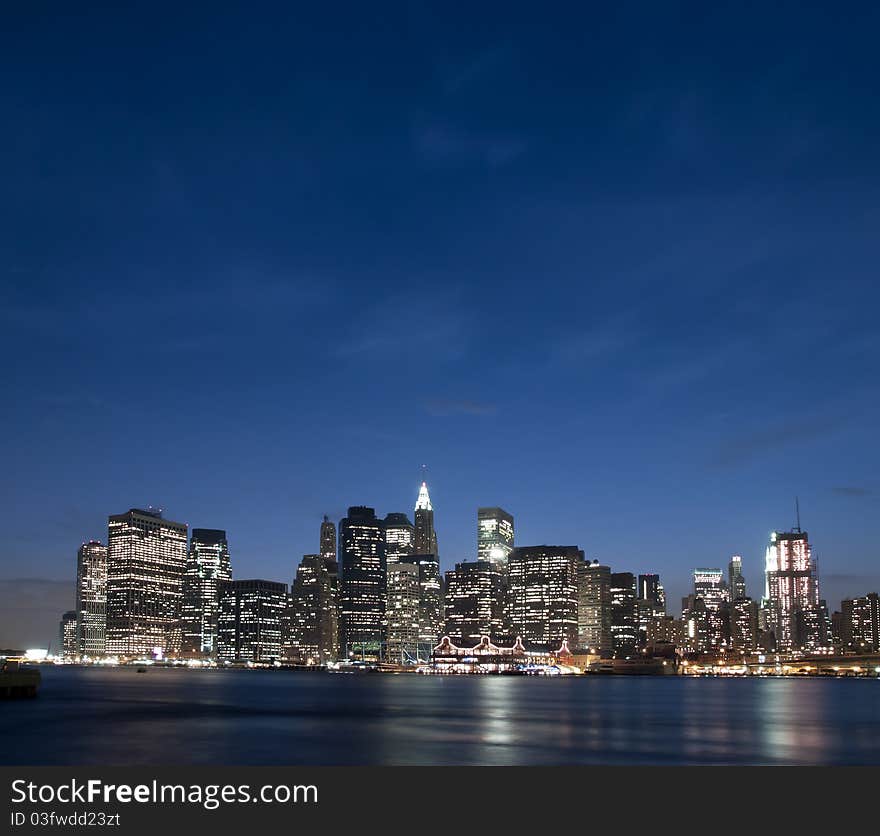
(362, 583)
(860, 624)
(67, 635)
(91, 599)
(399, 538)
(735, 580)
(313, 616)
(494, 535)
(543, 593)
(474, 605)
(146, 561)
(402, 613)
(249, 621)
(207, 568)
(624, 615)
(594, 609)
(430, 600)
(328, 539)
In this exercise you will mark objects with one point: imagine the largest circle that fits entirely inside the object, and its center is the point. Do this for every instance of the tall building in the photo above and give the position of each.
(146, 561)
(91, 599)
(249, 621)
(314, 611)
(792, 592)
(594, 608)
(744, 624)
(430, 600)
(474, 602)
(402, 644)
(207, 568)
(399, 538)
(425, 534)
(651, 590)
(494, 535)
(624, 614)
(860, 627)
(328, 538)
(710, 586)
(543, 590)
(67, 635)
(735, 579)
(362, 585)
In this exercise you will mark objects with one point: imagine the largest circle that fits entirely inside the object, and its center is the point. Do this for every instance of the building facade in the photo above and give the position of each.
(543, 594)
(399, 538)
(474, 602)
(91, 600)
(249, 621)
(494, 535)
(362, 583)
(594, 609)
(425, 535)
(208, 567)
(402, 645)
(313, 626)
(146, 561)
(67, 635)
(624, 615)
(735, 579)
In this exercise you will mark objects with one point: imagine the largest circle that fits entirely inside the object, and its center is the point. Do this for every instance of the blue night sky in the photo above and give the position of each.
(611, 267)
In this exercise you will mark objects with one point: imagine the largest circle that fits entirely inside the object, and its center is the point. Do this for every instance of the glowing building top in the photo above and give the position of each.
(424, 501)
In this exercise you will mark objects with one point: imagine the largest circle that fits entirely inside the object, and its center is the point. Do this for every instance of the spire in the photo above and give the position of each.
(424, 501)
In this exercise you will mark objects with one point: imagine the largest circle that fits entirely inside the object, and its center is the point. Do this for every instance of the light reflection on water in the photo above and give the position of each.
(166, 716)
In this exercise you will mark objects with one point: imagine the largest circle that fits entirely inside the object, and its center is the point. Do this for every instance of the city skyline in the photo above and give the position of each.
(631, 300)
(392, 521)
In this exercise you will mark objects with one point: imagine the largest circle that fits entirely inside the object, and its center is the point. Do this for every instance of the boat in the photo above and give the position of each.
(17, 680)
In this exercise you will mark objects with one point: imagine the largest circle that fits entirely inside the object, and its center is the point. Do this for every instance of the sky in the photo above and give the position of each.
(611, 267)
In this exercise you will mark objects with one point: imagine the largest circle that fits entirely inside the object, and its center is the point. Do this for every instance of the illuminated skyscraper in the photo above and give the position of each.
(793, 612)
(543, 592)
(399, 538)
(494, 535)
(425, 534)
(651, 590)
(314, 611)
(624, 615)
(735, 579)
(474, 602)
(711, 588)
(249, 621)
(207, 567)
(403, 613)
(91, 599)
(430, 601)
(328, 538)
(860, 623)
(146, 560)
(67, 635)
(363, 581)
(594, 608)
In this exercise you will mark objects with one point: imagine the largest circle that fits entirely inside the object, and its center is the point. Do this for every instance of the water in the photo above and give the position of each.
(172, 716)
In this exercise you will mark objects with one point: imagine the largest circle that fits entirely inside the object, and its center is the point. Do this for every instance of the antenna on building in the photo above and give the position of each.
(797, 508)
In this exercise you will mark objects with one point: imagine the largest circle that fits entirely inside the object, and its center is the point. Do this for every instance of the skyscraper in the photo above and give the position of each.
(474, 602)
(146, 560)
(363, 581)
(494, 535)
(792, 591)
(735, 579)
(425, 534)
(430, 601)
(543, 590)
(328, 539)
(314, 611)
(403, 613)
(711, 588)
(860, 627)
(91, 599)
(399, 538)
(624, 620)
(67, 635)
(651, 590)
(249, 621)
(207, 568)
(594, 608)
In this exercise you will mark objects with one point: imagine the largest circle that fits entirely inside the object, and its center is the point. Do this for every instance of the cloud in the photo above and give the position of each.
(737, 450)
(443, 143)
(443, 407)
(853, 490)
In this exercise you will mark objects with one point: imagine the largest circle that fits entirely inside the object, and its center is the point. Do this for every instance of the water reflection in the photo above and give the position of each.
(113, 716)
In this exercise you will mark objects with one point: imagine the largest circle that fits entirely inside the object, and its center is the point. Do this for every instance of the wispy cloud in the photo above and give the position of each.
(444, 407)
(853, 491)
(441, 142)
(745, 447)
